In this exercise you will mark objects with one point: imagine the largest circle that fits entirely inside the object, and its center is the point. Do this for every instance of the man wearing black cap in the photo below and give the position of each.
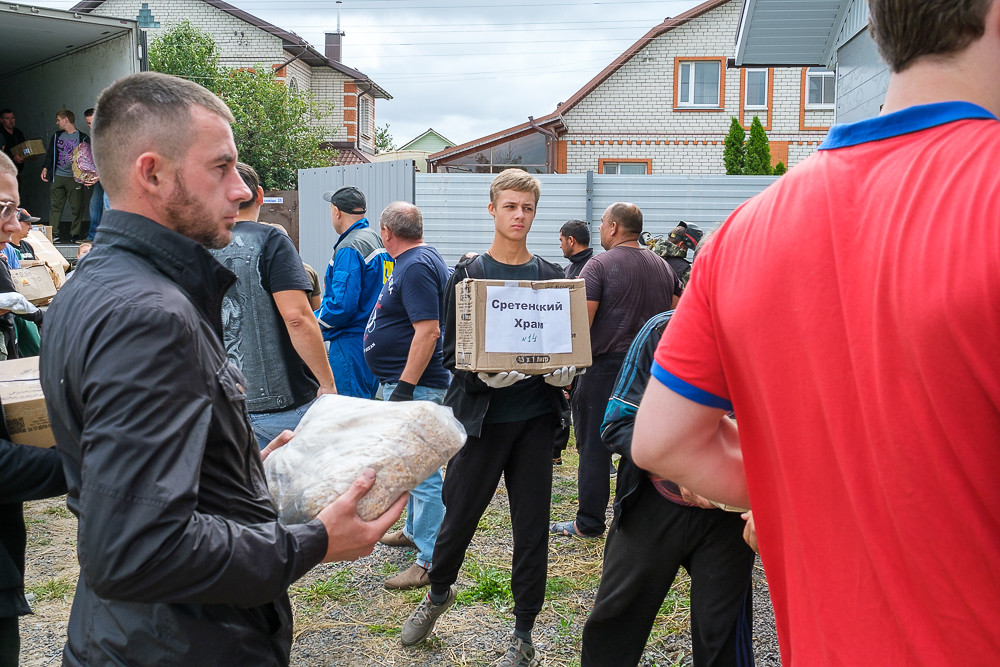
(354, 279)
(19, 241)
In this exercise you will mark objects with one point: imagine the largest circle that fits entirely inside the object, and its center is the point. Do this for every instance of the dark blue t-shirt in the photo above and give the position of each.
(414, 292)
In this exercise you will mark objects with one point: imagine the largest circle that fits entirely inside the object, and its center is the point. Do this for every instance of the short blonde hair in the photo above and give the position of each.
(515, 179)
(7, 166)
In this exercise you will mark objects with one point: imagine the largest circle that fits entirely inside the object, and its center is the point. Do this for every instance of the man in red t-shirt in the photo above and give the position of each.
(863, 373)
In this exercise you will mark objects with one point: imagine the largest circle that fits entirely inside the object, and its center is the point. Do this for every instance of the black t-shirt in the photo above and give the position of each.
(9, 140)
(414, 292)
(280, 269)
(528, 398)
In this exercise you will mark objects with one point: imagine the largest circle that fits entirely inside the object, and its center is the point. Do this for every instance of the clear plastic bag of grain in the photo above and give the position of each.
(340, 436)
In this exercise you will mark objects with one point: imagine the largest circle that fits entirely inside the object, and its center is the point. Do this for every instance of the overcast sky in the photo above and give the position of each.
(468, 67)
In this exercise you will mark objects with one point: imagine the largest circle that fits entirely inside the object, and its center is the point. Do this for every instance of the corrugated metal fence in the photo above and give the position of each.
(382, 183)
(456, 220)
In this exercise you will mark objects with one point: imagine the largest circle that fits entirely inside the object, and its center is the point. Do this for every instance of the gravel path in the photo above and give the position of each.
(344, 617)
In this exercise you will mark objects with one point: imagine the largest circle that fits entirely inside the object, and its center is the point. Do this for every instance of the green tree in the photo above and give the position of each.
(188, 52)
(384, 143)
(779, 169)
(758, 160)
(276, 131)
(734, 153)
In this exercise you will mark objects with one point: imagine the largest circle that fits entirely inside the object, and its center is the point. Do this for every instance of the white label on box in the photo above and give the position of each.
(274, 200)
(521, 319)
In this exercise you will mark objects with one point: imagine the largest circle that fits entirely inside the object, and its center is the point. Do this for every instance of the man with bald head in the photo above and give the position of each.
(182, 559)
(626, 285)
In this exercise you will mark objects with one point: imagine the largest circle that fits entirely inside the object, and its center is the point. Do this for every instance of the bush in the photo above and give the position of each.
(779, 169)
(734, 152)
(758, 151)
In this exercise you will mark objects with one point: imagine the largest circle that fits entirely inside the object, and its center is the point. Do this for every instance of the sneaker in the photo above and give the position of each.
(421, 622)
(397, 539)
(413, 577)
(519, 654)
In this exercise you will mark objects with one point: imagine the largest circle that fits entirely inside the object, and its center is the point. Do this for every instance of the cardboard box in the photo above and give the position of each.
(35, 283)
(529, 326)
(29, 149)
(48, 253)
(44, 229)
(24, 404)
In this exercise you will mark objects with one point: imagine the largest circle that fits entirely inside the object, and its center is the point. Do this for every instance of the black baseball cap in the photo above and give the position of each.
(24, 216)
(348, 199)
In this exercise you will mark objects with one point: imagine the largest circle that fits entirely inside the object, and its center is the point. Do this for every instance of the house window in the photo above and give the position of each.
(293, 86)
(821, 87)
(756, 89)
(363, 128)
(624, 168)
(528, 152)
(699, 84)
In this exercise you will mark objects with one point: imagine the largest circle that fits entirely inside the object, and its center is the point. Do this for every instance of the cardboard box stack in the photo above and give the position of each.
(24, 404)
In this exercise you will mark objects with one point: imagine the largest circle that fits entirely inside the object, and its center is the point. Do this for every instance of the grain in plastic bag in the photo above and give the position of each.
(340, 436)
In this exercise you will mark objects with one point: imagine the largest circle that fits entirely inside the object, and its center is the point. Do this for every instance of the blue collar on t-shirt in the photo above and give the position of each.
(911, 119)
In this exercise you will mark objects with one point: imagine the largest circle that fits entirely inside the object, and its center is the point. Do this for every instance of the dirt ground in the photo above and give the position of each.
(344, 617)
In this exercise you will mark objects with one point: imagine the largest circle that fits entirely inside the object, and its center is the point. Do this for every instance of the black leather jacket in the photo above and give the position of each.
(26, 473)
(182, 561)
(468, 396)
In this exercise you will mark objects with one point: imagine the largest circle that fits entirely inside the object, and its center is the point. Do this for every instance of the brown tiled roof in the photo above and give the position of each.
(348, 153)
(556, 116)
(289, 40)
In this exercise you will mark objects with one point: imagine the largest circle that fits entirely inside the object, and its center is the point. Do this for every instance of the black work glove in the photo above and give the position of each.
(402, 392)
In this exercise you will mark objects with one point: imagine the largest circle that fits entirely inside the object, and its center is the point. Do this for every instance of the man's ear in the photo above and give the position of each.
(260, 196)
(492, 209)
(150, 169)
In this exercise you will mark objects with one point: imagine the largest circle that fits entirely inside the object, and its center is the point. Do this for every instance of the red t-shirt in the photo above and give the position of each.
(851, 314)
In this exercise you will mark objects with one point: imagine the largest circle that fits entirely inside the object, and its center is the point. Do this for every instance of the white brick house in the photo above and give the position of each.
(246, 41)
(664, 106)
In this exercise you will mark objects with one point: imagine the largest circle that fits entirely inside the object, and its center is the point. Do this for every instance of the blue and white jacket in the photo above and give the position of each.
(354, 278)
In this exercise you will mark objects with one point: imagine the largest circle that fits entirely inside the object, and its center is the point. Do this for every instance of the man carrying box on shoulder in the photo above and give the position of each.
(511, 420)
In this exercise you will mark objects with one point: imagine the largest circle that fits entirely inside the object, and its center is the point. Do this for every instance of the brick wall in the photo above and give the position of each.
(632, 114)
(240, 45)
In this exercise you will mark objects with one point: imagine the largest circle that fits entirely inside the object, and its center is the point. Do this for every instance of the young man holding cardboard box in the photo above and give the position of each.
(511, 420)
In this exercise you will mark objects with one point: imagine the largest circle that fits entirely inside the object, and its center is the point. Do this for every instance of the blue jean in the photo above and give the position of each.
(425, 510)
(98, 204)
(268, 425)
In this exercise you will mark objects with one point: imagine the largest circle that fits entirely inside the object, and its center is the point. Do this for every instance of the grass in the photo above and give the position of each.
(335, 588)
(53, 589)
(491, 585)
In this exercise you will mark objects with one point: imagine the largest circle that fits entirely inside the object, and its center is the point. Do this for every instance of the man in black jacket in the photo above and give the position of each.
(182, 559)
(511, 420)
(574, 241)
(26, 473)
(657, 528)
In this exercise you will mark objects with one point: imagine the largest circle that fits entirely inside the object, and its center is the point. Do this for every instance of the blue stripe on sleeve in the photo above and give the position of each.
(688, 390)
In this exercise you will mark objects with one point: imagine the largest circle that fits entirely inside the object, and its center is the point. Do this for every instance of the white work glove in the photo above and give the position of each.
(501, 380)
(562, 377)
(16, 303)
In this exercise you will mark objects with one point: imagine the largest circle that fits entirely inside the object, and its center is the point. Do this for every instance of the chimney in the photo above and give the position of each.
(334, 46)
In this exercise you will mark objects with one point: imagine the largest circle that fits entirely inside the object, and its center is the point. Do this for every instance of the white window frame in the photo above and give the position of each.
(363, 129)
(746, 92)
(689, 90)
(617, 167)
(822, 74)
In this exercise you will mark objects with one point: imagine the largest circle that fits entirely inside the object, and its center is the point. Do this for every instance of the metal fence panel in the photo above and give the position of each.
(382, 183)
(454, 205)
(456, 220)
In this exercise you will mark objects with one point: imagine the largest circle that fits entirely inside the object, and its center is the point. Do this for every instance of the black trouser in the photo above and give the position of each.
(10, 641)
(590, 400)
(641, 559)
(522, 452)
